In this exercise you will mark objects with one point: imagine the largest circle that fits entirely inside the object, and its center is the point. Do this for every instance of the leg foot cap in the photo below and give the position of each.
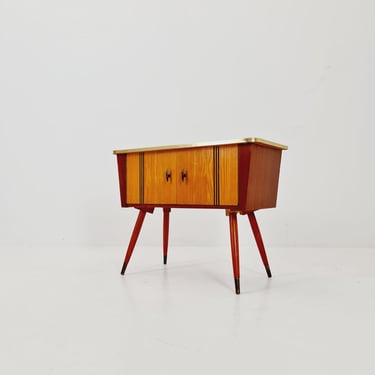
(237, 285)
(123, 268)
(268, 272)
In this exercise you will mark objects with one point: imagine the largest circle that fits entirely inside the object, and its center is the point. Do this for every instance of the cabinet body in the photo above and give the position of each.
(237, 176)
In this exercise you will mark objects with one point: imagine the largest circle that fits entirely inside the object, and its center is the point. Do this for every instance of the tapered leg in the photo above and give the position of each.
(134, 237)
(166, 212)
(235, 250)
(259, 241)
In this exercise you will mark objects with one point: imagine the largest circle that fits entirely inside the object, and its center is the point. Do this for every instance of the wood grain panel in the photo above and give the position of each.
(157, 190)
(263, 177)
(198, 186)
(228, 175)
(132, 178)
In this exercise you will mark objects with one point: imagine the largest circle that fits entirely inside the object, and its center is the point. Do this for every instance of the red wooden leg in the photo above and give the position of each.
(134, 237)
(259, 241)
(166, 212)
(235, 250)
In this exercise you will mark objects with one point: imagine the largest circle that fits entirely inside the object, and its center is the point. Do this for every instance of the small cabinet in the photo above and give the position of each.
(241, 176)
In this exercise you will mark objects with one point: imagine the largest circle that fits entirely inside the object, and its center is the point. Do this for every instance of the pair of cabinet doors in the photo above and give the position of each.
(196, 176)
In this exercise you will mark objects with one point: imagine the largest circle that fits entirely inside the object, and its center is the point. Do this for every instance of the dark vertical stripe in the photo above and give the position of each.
(216, 175)
(141, 177)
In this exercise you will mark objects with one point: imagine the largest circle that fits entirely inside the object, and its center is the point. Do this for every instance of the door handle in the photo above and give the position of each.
(183, 175)
(168, 175)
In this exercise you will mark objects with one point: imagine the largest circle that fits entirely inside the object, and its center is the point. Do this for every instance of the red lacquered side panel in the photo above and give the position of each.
(121, 166)
(263, 177)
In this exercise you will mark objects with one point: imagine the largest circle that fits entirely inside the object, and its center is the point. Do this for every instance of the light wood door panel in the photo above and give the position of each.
(228, 175)
(197, 187)
(132, 178)
(157, 189)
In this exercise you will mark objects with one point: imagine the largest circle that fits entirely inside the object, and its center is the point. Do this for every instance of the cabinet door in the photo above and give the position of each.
(195, 180)
(160, 177)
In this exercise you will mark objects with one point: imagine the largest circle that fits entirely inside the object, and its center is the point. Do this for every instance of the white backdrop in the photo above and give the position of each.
(81, 78)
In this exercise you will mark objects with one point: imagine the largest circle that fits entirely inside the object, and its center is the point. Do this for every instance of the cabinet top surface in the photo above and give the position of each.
(205, 144)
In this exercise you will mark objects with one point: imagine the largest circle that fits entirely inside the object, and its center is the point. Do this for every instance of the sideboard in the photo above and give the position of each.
(240, 176)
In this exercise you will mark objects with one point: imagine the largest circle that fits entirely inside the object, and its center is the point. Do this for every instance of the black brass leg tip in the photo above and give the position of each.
(123, 268)
(237, 285)
(268, 272)
(165, 259)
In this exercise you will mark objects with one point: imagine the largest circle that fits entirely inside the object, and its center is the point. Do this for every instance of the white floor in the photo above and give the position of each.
(68, 311)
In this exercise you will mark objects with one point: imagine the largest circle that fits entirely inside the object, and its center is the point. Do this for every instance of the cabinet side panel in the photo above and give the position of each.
(160, 177)
(197, 188)
(228, 175)
(132, 178)
(121, 167)
(263, 177)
